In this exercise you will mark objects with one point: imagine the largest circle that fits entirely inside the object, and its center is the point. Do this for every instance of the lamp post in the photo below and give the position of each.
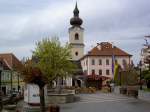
(140, 67)
(1, 102)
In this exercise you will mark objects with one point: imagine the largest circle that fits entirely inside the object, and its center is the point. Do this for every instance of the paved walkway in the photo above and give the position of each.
(102, 97)
(103, 102)
(144, 95)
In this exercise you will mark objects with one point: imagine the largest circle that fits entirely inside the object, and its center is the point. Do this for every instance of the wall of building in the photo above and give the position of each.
(87, 66)
(79, 49)
(145, 54)
(121, 58)
(76, 44)
(73, 31)
(6, 81)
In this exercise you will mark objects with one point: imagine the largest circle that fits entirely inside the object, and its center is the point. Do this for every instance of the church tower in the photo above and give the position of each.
(76, 39)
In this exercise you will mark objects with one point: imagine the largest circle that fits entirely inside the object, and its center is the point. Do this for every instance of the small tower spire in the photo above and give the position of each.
(76, 20)
(76, 11)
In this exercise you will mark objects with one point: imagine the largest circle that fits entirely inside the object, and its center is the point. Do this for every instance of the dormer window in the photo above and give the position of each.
(76, 36)
(99, 47)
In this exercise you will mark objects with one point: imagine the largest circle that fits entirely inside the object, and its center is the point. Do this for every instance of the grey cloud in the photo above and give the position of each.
(22, 23)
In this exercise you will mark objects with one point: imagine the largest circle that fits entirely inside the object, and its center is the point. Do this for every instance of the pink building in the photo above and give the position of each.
(98, 61)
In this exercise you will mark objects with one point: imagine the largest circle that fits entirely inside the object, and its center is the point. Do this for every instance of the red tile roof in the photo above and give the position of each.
(106, 49)
(10, 60)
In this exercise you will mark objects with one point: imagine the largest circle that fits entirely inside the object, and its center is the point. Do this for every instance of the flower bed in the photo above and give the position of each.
(86, 90)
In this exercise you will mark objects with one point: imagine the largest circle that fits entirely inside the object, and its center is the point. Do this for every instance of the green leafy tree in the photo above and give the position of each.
(126, 75)
(50, 61)
(146, 76)
(32, 74)
(53, 59)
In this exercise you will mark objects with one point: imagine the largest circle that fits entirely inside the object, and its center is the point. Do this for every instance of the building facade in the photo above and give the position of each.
(10, 77)
(99, 61)
(145, 55)
(76, 42)
(76, 36)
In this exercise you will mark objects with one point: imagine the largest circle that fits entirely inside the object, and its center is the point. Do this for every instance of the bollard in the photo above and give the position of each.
(54, 108)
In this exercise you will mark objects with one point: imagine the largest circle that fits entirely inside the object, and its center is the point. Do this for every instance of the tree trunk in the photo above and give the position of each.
(42, 99)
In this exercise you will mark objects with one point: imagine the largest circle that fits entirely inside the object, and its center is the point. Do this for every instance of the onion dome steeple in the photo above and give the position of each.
(76, 21)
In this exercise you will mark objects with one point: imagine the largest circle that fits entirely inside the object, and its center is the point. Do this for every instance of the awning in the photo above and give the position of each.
(97, 77)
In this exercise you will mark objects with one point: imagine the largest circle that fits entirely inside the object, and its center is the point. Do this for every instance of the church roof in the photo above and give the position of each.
(106, 49)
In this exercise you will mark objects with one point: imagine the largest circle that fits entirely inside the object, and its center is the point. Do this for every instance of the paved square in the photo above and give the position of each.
(101, 102)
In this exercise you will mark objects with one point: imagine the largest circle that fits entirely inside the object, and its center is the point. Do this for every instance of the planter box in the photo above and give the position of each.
(10, 107)
(132, 91)
(60, 98)
(123, 90)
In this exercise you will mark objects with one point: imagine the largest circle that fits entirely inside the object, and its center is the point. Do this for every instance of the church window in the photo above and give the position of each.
(76, 53)
(76, 36)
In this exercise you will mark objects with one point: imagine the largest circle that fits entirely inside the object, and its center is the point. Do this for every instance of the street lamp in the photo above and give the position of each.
(140, 67)
(1, 102)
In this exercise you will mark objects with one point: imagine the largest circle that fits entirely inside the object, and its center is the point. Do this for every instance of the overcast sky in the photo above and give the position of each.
(24, 22)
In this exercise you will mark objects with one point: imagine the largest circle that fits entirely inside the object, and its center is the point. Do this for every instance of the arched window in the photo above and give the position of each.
(76, 53)
(76, 36)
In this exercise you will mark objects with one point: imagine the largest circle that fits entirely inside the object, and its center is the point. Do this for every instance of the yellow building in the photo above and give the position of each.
(10, 77)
